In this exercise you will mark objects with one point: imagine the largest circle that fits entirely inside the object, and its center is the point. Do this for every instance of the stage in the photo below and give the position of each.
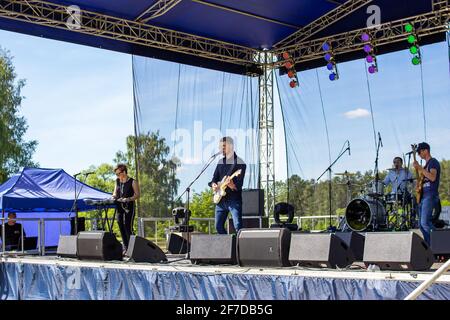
(52, 278)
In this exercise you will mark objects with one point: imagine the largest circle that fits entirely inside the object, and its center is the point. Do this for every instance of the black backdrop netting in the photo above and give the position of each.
(192, 108)
(405, 111)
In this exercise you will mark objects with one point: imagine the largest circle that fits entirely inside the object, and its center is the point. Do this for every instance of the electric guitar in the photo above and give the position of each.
(220, 193)
(420, 177)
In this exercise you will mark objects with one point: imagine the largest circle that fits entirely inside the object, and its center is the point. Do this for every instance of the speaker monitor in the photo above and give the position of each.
(176, 244)
(263, 247)
(440, 242)
(252, 202)
(397, 251)
(213, 249)
(355, 241)
(249, 223)
(143, 250)
(67, 246)
(98, 245)
(320, 250)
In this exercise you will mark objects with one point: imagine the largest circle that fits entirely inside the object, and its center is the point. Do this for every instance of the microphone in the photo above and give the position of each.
(408, 153)
(216, 154)
(349, 152)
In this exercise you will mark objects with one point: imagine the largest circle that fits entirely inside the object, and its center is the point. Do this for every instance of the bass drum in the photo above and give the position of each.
(364, 212)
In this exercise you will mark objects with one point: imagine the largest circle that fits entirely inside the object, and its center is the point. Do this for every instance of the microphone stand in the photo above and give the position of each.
(331, 228)
(75, 202)
(187, 191)
(376, 171)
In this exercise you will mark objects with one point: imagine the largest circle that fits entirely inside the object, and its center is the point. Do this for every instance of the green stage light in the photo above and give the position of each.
(409, 28)
(414, 49)
(411, 39)
(416, 60)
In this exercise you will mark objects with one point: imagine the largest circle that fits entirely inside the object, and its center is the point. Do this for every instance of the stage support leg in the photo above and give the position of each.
(266, 132)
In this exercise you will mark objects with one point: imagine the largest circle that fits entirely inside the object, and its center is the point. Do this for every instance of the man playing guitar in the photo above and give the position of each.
(232, 200)
(429, 199)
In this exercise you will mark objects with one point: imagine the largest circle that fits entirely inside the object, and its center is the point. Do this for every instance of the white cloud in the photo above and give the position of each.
(357, 113)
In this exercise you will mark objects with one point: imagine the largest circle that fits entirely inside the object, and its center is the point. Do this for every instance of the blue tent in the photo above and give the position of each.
(46, 193)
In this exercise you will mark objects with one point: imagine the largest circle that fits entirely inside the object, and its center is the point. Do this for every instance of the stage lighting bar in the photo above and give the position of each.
(369, 49)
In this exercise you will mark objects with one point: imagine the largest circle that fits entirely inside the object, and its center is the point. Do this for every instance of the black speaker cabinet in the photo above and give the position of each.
(213, 249)
(263, 247)
(81, 225)
(252, 202)
(397, 251)
(440, 242)
(319, 250)
(355, 241)
(143, 250)
(98, 245)
(67, 246)
(249, 223)
(176, 244)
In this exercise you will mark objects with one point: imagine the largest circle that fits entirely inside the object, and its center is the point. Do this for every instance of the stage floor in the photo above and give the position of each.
(31, 277)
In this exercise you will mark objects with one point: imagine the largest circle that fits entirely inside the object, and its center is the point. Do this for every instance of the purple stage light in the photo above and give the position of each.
(372, 69)
(369, 59)
(333, 76)
(330, 66)
(328, 57)
(367, 48)
(326, 46)
(365, 37)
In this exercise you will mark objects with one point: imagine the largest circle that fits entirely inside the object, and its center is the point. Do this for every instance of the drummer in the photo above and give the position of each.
(397, 177)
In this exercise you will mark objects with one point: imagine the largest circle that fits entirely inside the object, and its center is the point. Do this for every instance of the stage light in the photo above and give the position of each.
(291, 74)
(326, 46)
(412, 39)
(333, 76)
(414, 49)
(369, 59)
(286, 55)
(409, 28)
(330, 66)
(328, 57)
(288, 65)
(365, 37)
(293, 83)
(416, 60)
(372, 69)
(367, 48)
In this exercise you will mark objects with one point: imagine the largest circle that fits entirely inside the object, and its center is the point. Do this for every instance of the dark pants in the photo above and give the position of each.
(222, 209)
(125, 222)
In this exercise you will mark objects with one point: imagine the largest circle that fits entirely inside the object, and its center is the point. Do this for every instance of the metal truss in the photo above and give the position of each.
(426, 24)
(266, 132)
(57, 16)
(159, 8)
(323, 22)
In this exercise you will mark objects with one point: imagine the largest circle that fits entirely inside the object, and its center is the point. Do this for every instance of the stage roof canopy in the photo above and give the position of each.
(223, 34)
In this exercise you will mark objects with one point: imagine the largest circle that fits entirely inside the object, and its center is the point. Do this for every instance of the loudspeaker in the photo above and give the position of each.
(99, 245)
(249, 223)
(263, 247)
(176, 244)
(355, 241)
(67, 246)
(213, 249)
(320, 250)
(81, 225)
(252, 202)
(440, 242)
(397, 251)
(143, 250)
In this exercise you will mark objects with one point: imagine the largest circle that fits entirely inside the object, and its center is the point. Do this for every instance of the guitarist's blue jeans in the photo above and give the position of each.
(427, 204)
(222, 209)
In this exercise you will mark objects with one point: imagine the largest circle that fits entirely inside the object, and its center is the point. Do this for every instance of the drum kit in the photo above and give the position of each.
(376, 210)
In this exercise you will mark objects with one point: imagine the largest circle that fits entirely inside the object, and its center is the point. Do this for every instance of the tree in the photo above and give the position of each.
(157, 173)
(15, 152)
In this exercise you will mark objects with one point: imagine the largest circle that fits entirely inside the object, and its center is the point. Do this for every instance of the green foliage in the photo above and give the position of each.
(15, 152)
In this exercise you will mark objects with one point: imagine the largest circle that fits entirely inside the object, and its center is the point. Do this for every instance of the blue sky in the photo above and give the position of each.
(79, 104)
